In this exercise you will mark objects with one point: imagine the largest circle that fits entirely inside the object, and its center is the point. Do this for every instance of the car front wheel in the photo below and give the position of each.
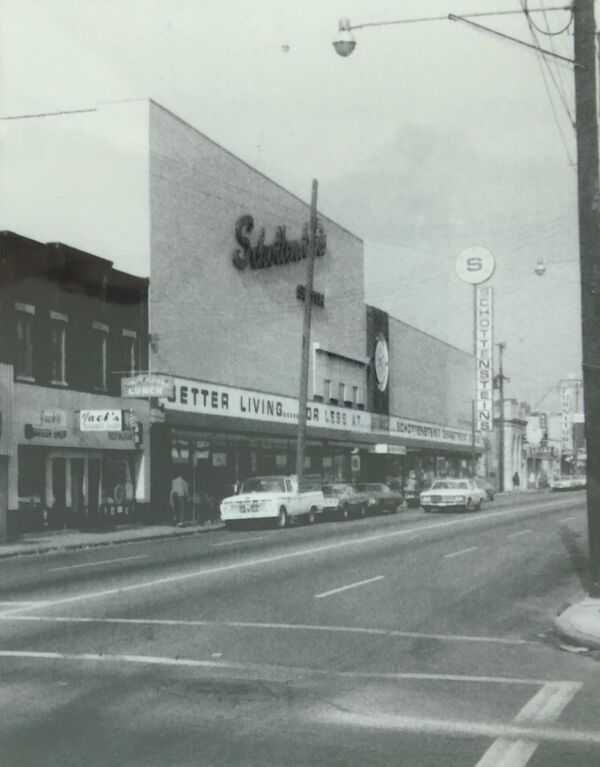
(282, 519)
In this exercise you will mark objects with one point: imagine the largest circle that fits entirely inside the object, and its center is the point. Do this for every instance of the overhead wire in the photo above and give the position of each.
(561, 95)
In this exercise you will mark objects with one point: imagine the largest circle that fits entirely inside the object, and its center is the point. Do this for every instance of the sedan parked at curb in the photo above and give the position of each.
(381, 498)
(343, 501)
(453, 494)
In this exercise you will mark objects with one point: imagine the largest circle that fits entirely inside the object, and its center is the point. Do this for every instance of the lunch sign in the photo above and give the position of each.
(215, 399)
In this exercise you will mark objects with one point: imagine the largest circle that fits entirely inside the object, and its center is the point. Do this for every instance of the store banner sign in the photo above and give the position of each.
(566, 420)
(215, 399)
(101, 420)
(429, 432)
(484, 356)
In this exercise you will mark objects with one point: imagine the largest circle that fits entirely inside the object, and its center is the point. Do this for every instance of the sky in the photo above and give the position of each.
(431, 138)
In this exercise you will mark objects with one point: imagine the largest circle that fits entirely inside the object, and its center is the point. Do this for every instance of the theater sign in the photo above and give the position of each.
(227, 401)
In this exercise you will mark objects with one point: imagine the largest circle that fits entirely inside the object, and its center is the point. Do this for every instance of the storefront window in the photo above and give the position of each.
(99, 352)
(58, 349)
(24, 357)
(117, 484)
(128, 350)
(32, 474)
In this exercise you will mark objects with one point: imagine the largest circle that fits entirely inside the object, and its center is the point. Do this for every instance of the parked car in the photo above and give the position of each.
(343, 501)
(412, 491)
(453, 494)
(275, 498)
(568, 482)
(486, 485)
(381, 498)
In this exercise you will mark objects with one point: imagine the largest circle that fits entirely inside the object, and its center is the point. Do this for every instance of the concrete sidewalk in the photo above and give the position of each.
(65, 540)
(579, 624)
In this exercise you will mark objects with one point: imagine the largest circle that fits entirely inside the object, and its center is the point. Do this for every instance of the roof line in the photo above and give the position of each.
(425, 333)
(50, 114)
(247, 164)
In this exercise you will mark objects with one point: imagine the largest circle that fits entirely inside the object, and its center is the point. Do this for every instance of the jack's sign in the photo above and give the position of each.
(101, 420)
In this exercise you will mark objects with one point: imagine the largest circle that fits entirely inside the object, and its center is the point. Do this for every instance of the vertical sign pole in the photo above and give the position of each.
(474, 401)
(312, 245)
(475, 265)
(588, 192)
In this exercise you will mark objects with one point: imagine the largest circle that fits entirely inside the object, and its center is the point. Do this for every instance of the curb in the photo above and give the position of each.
(579, 624)
(49, 548)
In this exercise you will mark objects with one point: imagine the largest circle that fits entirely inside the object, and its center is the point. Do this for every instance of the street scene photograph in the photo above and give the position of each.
(299, 383)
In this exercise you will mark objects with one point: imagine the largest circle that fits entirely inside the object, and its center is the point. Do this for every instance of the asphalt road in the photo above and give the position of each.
(408, 639)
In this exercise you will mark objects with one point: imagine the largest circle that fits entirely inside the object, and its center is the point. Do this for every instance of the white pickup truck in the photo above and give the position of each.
(276, 498)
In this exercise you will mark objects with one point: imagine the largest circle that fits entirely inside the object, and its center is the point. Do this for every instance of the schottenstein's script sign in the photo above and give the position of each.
(262, 255)
(484, 345)
(215, 399)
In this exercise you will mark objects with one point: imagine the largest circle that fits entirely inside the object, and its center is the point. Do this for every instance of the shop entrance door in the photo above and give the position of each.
(94, 474)
(59, 492)
(3, 497)
(77, 497)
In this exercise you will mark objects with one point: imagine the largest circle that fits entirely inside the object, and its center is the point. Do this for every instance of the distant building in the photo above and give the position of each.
(515, 455)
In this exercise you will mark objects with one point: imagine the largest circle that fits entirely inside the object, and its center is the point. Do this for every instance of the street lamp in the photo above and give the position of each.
(345, 43)
(541, 267)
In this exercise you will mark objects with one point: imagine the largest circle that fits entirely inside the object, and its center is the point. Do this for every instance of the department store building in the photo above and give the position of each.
(225, 249)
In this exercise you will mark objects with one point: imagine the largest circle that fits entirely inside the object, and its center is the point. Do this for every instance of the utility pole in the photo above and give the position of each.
(588, 192)
(501, 347)
(303, 400)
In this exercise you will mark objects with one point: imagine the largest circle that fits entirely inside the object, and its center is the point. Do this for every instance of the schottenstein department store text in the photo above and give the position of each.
(224, 248)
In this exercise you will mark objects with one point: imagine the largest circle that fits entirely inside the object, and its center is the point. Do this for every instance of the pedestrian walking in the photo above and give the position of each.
(516, 481)
(178, 499)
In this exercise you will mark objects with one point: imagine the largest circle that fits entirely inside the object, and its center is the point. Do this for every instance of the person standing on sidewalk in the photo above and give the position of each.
(178, 499)
(516, 481)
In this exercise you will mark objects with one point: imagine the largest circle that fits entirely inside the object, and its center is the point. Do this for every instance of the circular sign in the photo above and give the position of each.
(475, 264)
(382, 363)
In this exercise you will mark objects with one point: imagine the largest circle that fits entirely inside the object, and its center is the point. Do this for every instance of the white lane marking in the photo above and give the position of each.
(545, 707)
(349, 586)
(450, 727)
(519, 532)
(304, 552)
(17, 602)
(267, 626)
(241, 540)
(461, 552)
(567, 519)
(94, 564)
(155, 660)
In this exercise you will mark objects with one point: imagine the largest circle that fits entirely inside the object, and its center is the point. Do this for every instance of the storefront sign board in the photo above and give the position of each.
(216, 399)
(101, 420)
(566, 420)
(147, 385)
(484, 355)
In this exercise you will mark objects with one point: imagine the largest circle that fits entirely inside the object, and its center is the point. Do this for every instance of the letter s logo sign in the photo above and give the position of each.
(474, 264)
(243, 227)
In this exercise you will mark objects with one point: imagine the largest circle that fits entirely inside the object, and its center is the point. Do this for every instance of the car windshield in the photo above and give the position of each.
(449, 484)
(263, 485)
(337, 490)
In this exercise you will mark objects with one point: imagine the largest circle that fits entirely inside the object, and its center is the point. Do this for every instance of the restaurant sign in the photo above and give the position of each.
(147, 385)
